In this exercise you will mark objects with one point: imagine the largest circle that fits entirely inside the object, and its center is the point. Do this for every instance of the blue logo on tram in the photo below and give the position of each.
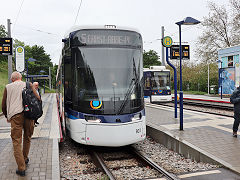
(95, 104)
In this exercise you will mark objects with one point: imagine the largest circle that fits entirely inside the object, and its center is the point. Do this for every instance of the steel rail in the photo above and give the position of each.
(99, 162)
(219, 106)
(149, 105)
(153, 164)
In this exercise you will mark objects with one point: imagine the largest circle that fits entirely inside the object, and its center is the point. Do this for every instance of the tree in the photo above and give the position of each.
(150, 58)
(43, 60)
(3, 33)
(220, 30)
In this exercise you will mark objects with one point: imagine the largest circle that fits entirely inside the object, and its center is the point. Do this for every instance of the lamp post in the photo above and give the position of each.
(31, 60)
(186, 21)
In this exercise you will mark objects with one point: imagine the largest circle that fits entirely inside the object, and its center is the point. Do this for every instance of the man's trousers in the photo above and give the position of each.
(19, 123)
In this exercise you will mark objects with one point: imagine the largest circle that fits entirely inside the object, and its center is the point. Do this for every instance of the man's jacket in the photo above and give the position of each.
(235, 99)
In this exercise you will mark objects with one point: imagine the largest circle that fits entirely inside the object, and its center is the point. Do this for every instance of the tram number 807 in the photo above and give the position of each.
(138, 131)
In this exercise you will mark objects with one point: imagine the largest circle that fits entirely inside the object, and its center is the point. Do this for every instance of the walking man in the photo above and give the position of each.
(12, 108)
(235, 99)
(35, 85)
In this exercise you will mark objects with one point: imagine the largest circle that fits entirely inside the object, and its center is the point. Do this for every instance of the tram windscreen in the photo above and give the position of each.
(161, 80)
(109, 73)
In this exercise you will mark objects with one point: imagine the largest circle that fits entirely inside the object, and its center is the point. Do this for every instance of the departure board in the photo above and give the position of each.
(5, 46)
(174, 52)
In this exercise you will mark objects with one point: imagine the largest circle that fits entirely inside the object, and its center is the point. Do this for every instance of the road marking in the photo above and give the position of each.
(199, 174)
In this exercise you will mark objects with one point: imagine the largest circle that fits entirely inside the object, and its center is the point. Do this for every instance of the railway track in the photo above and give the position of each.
(105, 162)
(201, 107)
(223, 106)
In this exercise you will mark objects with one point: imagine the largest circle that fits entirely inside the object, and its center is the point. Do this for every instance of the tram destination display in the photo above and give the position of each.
(109, 37)
(174, 52)
(5, 46)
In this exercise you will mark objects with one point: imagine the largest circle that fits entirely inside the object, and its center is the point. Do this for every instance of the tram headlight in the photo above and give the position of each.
(92, 119)
(137, 117)
(133, 96)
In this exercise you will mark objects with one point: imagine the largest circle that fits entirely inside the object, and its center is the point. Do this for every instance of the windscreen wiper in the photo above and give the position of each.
(129, 91)
(131, 87)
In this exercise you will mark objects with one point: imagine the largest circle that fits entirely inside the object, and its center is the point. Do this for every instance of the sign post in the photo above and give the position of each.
(167, 42)
(20, 59)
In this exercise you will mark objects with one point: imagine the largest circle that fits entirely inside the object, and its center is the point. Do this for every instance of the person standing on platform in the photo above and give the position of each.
(235, 99)
(12, 108)
(35, 85)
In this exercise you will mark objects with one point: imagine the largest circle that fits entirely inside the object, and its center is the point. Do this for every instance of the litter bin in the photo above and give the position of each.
(213, 89)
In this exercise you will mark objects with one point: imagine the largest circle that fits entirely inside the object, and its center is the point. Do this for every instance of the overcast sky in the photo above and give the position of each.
(45, 22)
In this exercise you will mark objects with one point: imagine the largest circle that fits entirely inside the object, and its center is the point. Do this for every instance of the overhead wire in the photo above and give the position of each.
(78, 12)
(38, 30)
(15, 22)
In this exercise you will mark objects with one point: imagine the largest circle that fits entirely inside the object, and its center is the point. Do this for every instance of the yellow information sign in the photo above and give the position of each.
(167, 41)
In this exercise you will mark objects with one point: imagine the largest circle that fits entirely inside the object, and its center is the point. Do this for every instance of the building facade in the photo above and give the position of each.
(229, 69)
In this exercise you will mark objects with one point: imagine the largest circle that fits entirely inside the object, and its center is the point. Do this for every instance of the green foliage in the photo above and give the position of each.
(194, 92)
(150, 58)
(3, 33)
(3, 80)
(42, 63)
(195, 77)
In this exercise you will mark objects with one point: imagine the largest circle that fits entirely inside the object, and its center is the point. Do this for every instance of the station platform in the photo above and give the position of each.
(207, 97)
(44, 152)
(205, 137)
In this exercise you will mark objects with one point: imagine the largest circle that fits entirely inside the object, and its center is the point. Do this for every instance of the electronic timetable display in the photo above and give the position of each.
(5, 46)
(107, 37)
(174, 52)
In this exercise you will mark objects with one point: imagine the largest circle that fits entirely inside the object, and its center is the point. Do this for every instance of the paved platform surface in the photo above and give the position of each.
(43, 155)
(209, 134)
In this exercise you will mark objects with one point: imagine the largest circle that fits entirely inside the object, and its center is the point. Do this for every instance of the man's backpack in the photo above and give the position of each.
(31, 105)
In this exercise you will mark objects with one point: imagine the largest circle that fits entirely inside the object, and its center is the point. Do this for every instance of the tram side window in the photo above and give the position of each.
(68, 82)
(147, 83)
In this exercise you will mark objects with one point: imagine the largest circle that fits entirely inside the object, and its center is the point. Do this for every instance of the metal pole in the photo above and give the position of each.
(208, 78)
(49, 78)
(9, 56)
(163, 59)
(44, 85)
(27, 69)
(175, 82)
(181, 92)
(221, 80)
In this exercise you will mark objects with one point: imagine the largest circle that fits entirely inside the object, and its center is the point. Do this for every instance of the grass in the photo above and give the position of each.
(3, 80)
(195, 92)
(192, 92)
(47, 90)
